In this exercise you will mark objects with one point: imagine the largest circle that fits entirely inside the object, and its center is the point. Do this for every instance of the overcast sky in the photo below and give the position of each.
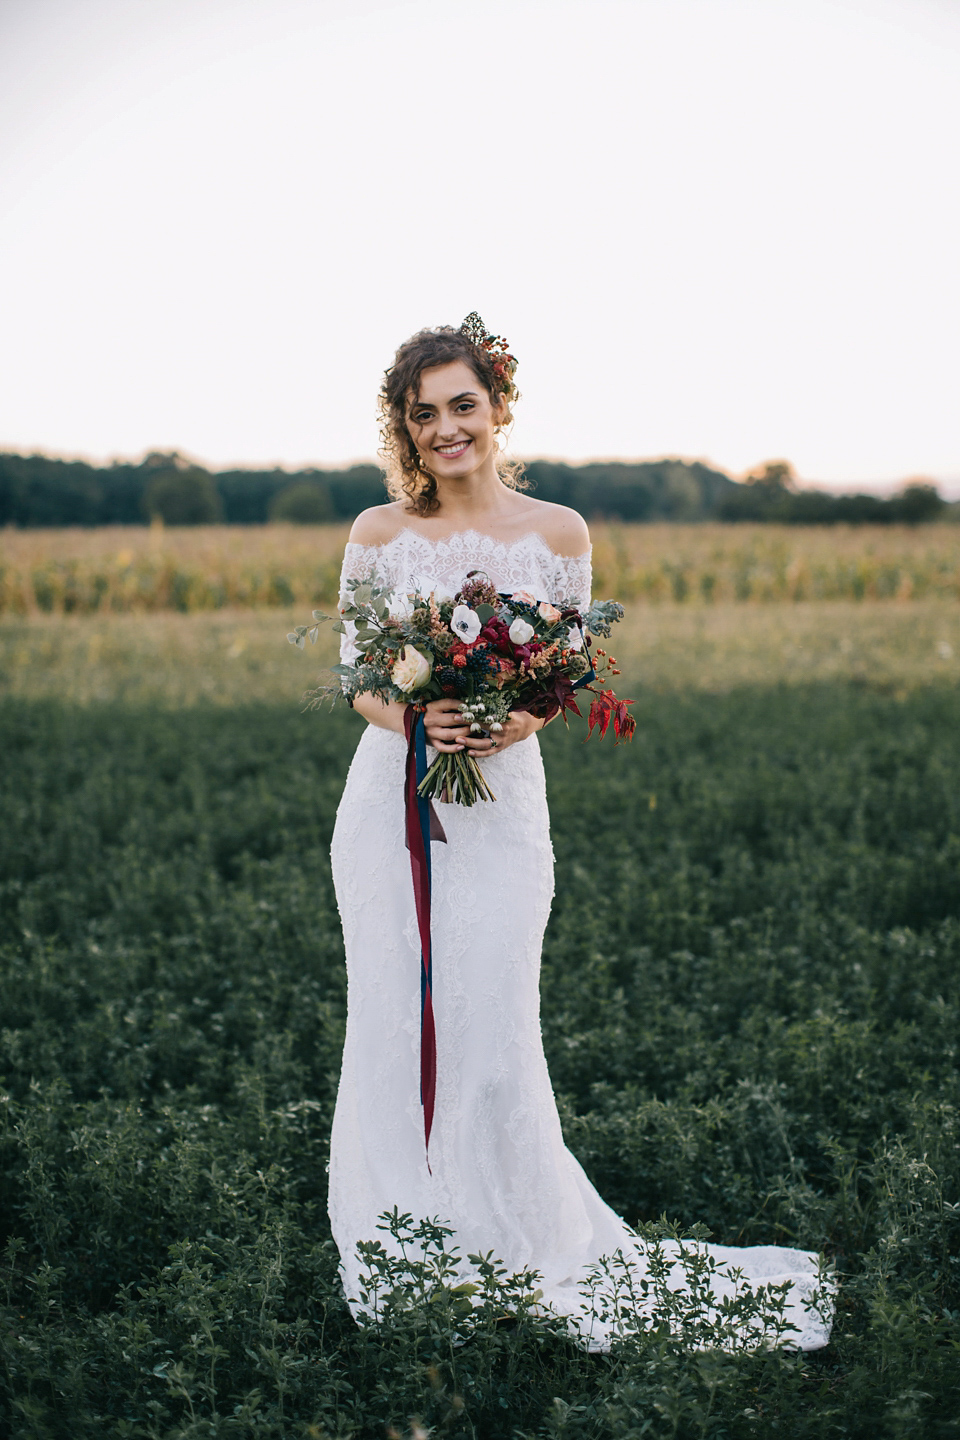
(724, 229)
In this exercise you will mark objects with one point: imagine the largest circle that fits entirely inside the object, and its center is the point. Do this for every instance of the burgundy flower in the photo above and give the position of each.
(496, 633)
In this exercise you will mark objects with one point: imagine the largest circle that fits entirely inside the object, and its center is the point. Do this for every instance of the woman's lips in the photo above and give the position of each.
(450, 452)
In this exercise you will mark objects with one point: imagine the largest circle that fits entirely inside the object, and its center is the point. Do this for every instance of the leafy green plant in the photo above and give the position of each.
(751, 996)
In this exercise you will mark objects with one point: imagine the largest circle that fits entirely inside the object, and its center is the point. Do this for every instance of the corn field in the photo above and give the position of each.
(122, 570)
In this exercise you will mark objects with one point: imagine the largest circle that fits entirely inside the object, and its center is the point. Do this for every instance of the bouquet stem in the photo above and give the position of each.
(455, 777)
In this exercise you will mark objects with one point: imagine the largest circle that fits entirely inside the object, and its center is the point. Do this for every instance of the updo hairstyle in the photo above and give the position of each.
(406, 476)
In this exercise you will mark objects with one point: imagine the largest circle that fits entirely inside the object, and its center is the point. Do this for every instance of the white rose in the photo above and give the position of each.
(575, 638)
(411, 671)
(465, 623)
(520, 632)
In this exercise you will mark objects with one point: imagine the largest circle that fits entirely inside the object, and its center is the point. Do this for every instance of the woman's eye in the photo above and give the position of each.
(465, 405)
(422, 418)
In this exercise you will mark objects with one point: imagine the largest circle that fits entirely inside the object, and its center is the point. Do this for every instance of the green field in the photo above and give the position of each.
(751, 1000)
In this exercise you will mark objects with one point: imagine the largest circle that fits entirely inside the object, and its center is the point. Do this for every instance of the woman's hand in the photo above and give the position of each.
(447, 731)
(444, 725)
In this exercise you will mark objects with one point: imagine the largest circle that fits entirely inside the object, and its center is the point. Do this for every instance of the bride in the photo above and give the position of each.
(499, 1174)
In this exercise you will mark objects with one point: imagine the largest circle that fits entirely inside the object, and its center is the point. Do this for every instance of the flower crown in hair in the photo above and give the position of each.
(504, 364)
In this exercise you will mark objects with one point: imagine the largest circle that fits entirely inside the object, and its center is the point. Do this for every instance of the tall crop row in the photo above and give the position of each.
(132, 569)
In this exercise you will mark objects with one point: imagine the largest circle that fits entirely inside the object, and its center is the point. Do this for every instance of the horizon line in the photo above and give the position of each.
(293, 468)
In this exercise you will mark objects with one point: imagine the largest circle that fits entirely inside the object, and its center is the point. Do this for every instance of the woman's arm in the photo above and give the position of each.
(387, 714)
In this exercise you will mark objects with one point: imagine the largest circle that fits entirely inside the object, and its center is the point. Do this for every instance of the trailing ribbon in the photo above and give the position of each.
(422, 826)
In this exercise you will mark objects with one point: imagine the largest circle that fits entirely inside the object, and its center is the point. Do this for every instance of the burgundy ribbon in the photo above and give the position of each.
(422, 825)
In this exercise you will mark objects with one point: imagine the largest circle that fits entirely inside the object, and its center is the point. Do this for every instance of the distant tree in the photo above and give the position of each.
(305, 502)
(860, 510)
(770, 493)
(777, 477)
(37, 490)
(763, 495)
(667, 489)
(811, 507)
(185, 496)
(917, 503)
(355, 489)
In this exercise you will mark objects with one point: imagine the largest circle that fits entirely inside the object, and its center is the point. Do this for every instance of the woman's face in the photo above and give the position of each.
(452, 421)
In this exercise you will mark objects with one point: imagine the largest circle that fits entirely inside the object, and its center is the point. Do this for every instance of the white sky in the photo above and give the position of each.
(727, 229)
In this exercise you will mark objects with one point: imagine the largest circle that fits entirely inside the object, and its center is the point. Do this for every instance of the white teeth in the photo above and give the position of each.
(449, 449)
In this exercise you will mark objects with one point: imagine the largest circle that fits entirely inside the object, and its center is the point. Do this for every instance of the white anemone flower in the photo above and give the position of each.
(465, 623)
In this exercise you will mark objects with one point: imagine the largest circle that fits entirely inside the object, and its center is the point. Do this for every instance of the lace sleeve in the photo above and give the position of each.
(574, 579)
(359, 563)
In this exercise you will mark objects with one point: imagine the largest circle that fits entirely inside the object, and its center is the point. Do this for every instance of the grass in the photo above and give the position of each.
(751, 1002)
(118, 569)
(232, 657)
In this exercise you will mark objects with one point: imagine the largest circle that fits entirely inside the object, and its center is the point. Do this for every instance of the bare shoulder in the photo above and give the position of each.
(564, 530)
(378, 524)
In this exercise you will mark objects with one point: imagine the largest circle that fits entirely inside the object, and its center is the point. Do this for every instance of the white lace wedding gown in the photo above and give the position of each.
(502, 1177)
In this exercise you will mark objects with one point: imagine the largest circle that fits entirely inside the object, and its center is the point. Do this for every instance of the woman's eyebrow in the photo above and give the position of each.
(427, 405)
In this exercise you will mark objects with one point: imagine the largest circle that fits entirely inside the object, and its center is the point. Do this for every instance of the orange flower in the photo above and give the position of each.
(505, 670)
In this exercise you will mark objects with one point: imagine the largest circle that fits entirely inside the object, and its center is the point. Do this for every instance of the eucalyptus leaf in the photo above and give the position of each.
(485, 613)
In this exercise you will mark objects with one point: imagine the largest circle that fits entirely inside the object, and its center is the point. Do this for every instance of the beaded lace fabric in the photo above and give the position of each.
(502, 1177)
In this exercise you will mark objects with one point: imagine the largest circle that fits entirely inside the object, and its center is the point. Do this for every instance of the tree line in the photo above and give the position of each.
(37, 491)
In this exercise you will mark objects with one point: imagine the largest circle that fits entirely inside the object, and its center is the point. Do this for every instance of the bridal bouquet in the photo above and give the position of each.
(493, 652)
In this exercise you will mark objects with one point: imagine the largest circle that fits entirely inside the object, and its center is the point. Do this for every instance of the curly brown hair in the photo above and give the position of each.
(406, 477)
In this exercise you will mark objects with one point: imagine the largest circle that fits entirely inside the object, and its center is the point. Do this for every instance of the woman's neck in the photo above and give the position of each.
(474, 503)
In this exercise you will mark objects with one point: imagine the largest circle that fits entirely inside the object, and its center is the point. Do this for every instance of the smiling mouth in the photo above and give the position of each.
(452, 451)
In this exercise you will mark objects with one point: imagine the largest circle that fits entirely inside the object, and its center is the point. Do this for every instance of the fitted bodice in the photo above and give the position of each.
(411, 561)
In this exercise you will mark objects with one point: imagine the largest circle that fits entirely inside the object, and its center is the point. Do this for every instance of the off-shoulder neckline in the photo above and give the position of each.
(476, 534)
